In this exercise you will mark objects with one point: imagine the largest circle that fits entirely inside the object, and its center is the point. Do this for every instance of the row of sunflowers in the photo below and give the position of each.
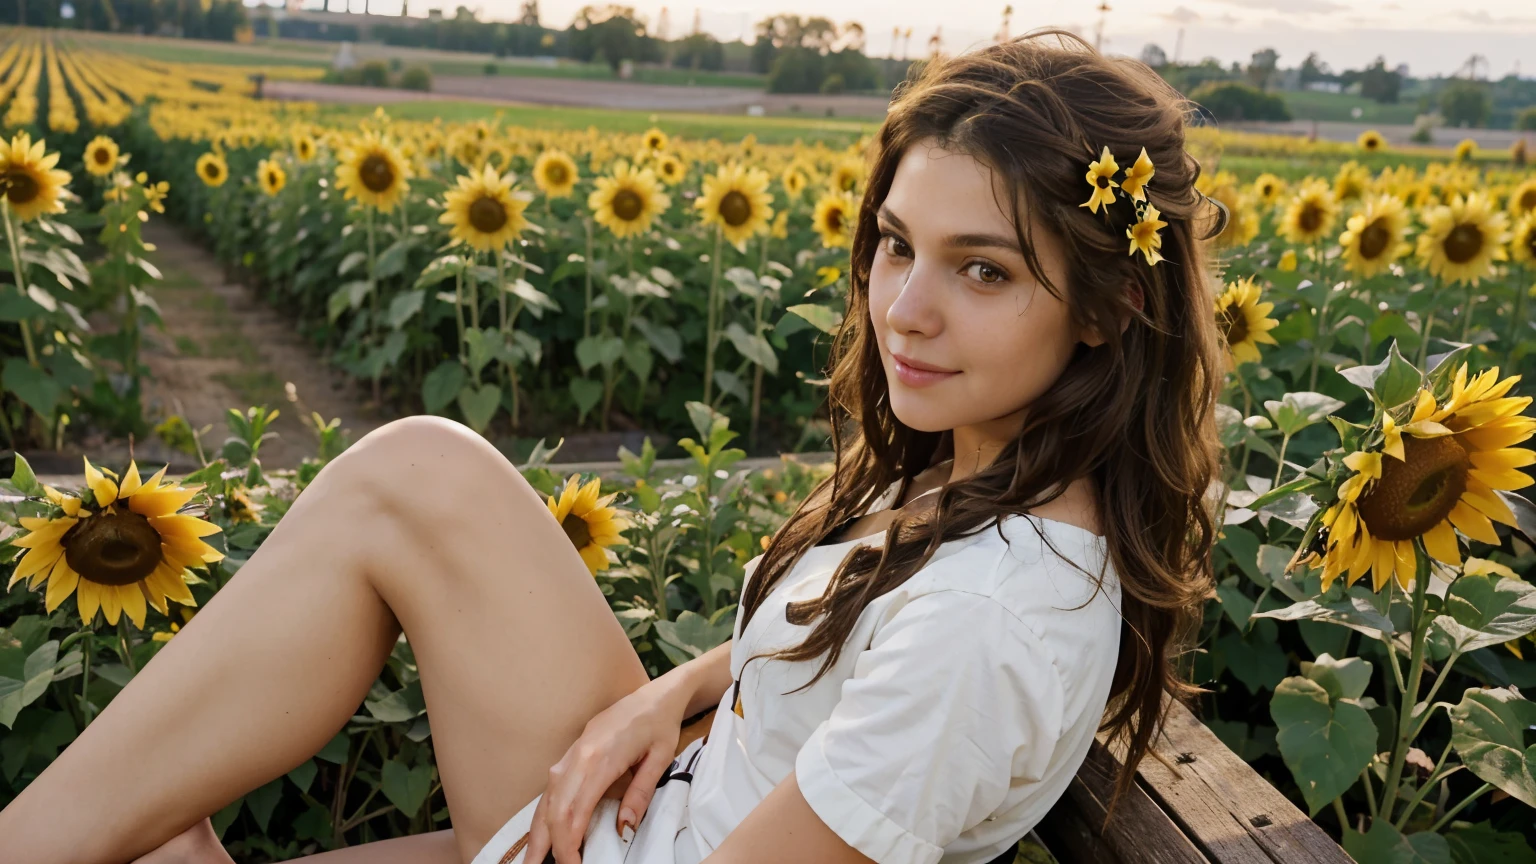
(1372, 507)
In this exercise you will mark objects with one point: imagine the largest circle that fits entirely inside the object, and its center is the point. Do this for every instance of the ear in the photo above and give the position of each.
(1091, 336)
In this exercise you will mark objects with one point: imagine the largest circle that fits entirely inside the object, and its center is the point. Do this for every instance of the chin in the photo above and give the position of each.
(920, 412)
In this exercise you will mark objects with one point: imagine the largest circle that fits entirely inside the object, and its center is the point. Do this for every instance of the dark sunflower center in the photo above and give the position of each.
(212, 170)
(1414, 494)
(1310, 218)
(487, 215)
(627, 205)
(555, 173)
(735, 209)
(1529, 241)
(576, 528)
(1102, 182)
(1463, 243)
(1528, 200)
(376, 173)
(20, 186)
(272, 178)
(1374, 240)
(1268, 190)
(101, 156)
(1234, 324)
(1372, 143)
(835, 221)
(114, 548)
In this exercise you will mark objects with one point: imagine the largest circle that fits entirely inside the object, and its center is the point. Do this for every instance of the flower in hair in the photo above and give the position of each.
(1144, 236)
(1100, 177)
(1137, 176)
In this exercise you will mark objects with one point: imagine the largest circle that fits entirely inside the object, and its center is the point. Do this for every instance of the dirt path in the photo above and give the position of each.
(224, 348)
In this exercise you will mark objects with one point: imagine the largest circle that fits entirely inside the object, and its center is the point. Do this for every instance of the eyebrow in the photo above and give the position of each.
(960, 241)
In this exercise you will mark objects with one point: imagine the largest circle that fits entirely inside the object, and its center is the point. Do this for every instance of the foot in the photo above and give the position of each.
(196, 845)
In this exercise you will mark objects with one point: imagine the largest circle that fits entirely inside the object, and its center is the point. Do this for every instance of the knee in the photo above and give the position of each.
(428, 463)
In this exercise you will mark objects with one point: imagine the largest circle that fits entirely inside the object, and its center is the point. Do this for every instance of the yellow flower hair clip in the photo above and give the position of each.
(1144, 234)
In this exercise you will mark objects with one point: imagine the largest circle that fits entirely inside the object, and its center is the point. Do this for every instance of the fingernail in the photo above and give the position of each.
(629, 833)
(627, 824)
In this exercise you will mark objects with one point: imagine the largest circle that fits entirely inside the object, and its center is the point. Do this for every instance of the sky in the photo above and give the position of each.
(1430, 36)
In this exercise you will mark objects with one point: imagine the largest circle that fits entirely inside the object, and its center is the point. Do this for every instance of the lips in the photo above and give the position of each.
(920, 366)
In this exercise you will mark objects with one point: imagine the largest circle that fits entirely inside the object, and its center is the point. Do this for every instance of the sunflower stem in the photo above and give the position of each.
(1429, 324)
(1445, 669)
(1338, 811)
(1285, 440)
(373, 300)
(1370, 791)
(757, 328)
(85, 677)
(586, 311)
(1420, 625)
(1467, 306)
(1476, 794)
(1424, 789)
(1516, 321)
(501, 307)
(458, 312)
(709, 337)
(19, 272)
(122, 632)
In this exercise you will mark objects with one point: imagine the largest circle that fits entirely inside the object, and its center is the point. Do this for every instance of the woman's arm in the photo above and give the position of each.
(699, 683)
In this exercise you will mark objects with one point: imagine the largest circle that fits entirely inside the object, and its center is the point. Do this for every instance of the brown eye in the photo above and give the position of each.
(897, 246)
(988, 274)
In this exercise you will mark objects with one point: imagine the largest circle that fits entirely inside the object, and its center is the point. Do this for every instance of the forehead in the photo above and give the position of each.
(948, 189)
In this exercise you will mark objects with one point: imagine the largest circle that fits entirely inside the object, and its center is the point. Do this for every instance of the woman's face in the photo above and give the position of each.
(949, 289)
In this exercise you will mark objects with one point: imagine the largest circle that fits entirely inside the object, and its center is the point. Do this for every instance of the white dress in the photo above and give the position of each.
(963, 704)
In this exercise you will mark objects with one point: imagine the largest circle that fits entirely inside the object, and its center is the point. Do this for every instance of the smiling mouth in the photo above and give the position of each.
(913, 376)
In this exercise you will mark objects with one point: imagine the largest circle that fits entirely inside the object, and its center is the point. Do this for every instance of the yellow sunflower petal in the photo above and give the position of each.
(105, 490)
(34, 562)
(1407, 563)
(1489, 504)
(162, 502)
(89, 597)
(1441, 543)
(131, 482)
(111, 604)
(594, 557)
(1472, 523)
(61, 583)
(181, 525)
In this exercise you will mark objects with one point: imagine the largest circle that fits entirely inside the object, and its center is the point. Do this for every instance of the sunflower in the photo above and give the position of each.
(212, 169)
(1310, 215)
(1438, 479)
(1371, 141)
(793, 180)
(1244, 321)
(1352, 181)
(588, 521)
(737, 200)
(271, 176)
(126, 548)
(847, 174)
(626, 202)
(101, 156)
(483, 210)
(1269, 188)
(654, 140)
(1144, 236)
(1100, 180)
(1523, 199)
(1461, 240)
(1138, 176)
(670, 169)
(833, 219)
(303, 147)
(1242, 217)
(372, 171)
(1523, 241)
(1373, 238)
(555, 174)
(32, 184)
(1287, 262)
(1466, 148)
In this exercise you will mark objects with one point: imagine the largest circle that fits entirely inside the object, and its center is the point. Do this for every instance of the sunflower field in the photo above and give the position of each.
(1366, 645)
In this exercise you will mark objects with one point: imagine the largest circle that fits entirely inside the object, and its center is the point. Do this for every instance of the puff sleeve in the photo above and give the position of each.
(955, 701)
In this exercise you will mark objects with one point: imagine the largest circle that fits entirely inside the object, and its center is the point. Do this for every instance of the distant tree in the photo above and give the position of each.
(1314, 69)
(615, 32)
(1380, 83)
(1525, 121)
(1262, 67)
(530, 14)
(1153, 55)
(1465, 103)
(1234, 101)
(699, 51)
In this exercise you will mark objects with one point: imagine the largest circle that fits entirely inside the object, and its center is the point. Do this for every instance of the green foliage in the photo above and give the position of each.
(1231, 101)
(1465, 103)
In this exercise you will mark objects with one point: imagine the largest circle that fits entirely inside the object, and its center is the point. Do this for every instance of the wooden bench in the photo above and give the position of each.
(1205, 806)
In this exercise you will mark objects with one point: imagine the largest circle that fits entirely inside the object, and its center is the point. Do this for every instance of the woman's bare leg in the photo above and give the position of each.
(421, 525)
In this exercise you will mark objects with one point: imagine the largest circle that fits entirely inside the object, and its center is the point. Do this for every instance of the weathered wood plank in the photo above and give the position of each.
(1074, 830)
(1228, 810)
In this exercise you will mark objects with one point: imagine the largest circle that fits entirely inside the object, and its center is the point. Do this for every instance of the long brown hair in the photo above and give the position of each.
(1135, 414)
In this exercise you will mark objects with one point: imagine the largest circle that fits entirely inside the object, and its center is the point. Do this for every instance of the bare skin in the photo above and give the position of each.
(422, 525)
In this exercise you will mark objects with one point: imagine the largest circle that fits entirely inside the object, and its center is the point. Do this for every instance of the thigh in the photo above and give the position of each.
(516, 644)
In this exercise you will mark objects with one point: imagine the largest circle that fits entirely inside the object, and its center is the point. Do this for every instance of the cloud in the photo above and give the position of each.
(1292, 7)
(1181, 15)
(1482, 18)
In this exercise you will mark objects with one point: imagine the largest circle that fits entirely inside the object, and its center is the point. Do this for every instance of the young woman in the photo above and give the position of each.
(1011, 550)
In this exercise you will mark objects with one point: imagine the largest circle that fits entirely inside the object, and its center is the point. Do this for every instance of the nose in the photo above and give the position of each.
(918, 307)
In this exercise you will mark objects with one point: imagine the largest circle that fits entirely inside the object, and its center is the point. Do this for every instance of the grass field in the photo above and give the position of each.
(1311, 105)
(301, 52)
(769, 130)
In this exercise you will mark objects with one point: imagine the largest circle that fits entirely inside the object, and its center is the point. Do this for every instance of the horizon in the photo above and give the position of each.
(1346, 35)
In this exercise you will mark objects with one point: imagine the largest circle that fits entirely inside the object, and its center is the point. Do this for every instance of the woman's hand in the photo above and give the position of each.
(622, 751)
